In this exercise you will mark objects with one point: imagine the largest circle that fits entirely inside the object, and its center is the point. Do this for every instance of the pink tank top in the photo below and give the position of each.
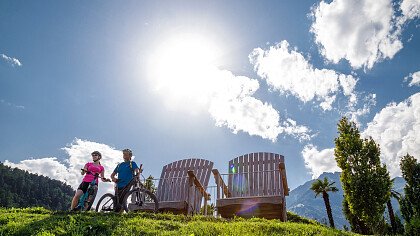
(89, 177)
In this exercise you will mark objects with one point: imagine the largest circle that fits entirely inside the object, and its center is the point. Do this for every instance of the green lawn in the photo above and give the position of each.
(38, 221)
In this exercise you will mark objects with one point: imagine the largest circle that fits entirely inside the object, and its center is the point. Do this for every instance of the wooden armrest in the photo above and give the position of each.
(198, 185)
(282, 170)
(220, 181)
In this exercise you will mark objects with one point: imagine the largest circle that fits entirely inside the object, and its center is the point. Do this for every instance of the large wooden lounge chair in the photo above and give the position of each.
(182, 184)
(256, 186)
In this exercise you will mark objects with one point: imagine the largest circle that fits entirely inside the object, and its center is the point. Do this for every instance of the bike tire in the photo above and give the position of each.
(90, 198)
(144, 200)
(107, 200)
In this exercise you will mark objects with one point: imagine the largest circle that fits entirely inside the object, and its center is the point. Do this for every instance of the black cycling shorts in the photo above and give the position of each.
(84, 186)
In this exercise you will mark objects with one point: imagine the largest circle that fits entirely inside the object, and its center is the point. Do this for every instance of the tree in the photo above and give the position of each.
(323, 187)
(410, 203)
(150, 185)
(396, 195)
(19, 188)
(210, 209)
(366, 183)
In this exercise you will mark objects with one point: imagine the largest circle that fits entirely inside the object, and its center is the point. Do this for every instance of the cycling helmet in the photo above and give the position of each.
(97, 153)
(128, 151)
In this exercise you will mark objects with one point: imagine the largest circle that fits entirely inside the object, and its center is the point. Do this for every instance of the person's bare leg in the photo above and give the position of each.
(75, 200)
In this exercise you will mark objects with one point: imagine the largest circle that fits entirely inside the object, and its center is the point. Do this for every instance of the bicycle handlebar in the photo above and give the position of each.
(97, 176)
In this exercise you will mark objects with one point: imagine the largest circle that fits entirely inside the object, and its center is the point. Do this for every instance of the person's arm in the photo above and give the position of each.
(113, 177)
(85, 169)
(136, 171)
(103, 176)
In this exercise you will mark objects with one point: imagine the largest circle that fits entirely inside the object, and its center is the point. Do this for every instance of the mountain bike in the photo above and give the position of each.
(87, 199)
(137, 199)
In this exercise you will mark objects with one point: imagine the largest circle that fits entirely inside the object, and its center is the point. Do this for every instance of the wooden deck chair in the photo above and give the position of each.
(256, 186)
(182, 186)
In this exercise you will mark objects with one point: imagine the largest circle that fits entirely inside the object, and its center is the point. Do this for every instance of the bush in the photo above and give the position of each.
(413, 227)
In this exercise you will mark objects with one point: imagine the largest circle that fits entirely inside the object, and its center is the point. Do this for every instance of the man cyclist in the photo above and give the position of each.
(126, 171)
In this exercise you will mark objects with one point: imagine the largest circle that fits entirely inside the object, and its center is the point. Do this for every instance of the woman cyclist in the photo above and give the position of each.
(90, 169)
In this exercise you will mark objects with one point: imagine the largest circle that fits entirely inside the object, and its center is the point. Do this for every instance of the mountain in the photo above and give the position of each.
(302, 201)
(20, 188)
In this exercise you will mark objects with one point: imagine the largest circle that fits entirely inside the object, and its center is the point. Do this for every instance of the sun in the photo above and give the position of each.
(182, 66)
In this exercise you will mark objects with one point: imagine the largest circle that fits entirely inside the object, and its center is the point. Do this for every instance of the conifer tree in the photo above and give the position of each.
(366, 182)
(410, 203)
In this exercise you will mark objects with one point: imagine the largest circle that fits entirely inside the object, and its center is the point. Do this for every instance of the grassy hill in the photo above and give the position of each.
(39, 221)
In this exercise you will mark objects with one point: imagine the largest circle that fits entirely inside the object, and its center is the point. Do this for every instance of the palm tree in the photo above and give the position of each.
(319, 186)
(396, 195)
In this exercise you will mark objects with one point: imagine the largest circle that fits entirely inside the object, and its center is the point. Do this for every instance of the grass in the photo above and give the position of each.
(39, 221)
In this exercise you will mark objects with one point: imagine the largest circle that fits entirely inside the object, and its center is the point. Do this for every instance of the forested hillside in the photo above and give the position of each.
(20, 188)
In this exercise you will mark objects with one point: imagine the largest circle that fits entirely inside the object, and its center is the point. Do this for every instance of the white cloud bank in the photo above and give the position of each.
(68, 171)
(363, 32)
(396, 128)
(319, 162)
(415, 79)
(10, 60)
(232, 105)
(228, 98)
(287, 71)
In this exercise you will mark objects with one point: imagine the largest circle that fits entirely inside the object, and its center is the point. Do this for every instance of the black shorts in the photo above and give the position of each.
(84, 186)
(122, 192)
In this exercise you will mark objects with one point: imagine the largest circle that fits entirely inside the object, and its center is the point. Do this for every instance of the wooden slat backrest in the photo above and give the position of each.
(202, 171)
(184, 184)
(277, 176)
(251, 175)
(178, 191)
(173, 184)
(256, 174)
(245, 176)
(260, 174)
(272, 164)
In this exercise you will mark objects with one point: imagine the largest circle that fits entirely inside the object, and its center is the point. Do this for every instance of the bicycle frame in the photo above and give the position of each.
(82, 198)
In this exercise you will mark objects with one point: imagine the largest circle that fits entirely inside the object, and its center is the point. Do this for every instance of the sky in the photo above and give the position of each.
(205, 79)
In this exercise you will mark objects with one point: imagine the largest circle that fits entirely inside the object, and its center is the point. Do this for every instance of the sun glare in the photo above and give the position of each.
(181, 68)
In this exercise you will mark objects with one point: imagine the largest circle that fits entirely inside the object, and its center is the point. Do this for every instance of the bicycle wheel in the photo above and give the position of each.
(90, 198)
(106, 203)
(140, 200)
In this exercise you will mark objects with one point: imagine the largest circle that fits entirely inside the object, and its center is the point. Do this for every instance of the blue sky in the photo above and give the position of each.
(214, 79)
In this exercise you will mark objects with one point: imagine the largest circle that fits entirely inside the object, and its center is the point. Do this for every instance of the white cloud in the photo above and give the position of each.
(48, 166)
(415, 79)
(410, 9)
(363, 32)
(228, 98)
(319, 162)
(232, 104)
(69, 170)
(355, 113)
(9, 104)
(300, 132)
(396, 128)
(11, 60)
(287, 71)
